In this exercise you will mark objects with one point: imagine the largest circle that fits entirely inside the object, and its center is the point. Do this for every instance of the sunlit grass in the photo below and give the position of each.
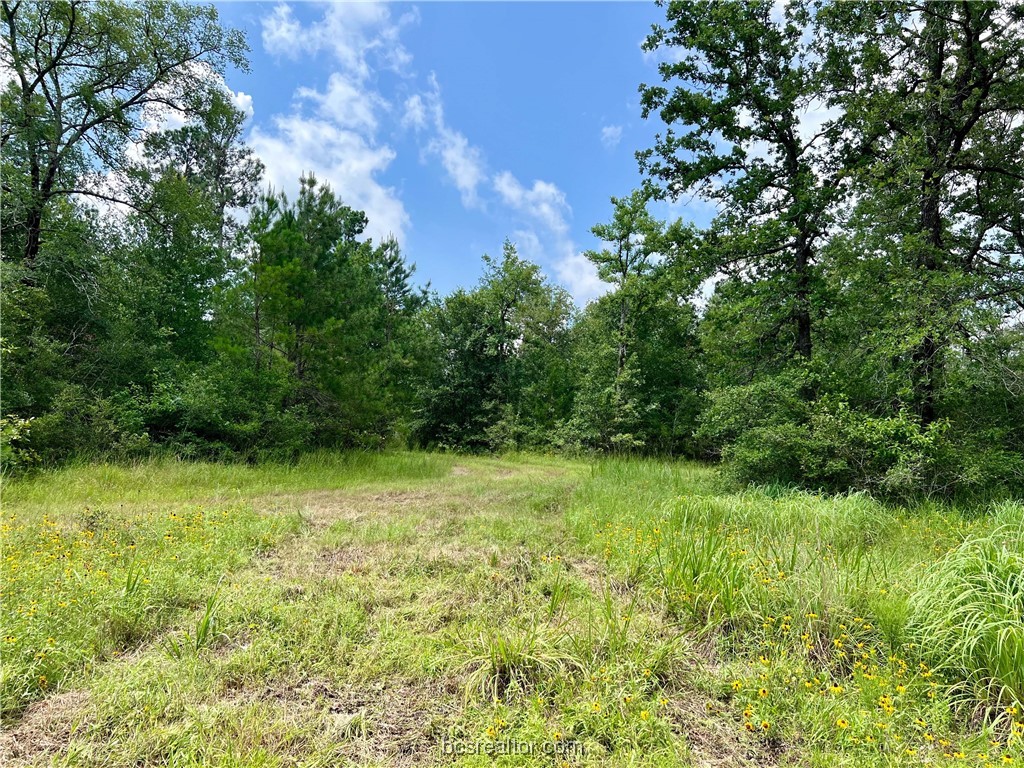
(98, 558)
(96, 584)
(172, 480)
(847, 625)
(360, 610)
(968, 612)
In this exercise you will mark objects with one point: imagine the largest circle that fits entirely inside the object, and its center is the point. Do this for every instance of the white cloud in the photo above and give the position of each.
(243, 103)
(528, 244)
(332, 132)
(462, 161)
(541, 208)
(337, 139)
(544, 204)
(346, 103)
(350, 32)
(282, 34)
(611, 135)
(579, 275)
(343, 158)
(571, 268)
(415, 115)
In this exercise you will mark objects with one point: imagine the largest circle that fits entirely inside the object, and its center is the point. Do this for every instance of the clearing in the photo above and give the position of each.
(422, 609)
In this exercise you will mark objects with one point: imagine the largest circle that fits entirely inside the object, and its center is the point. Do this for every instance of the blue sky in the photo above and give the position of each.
(455, 125)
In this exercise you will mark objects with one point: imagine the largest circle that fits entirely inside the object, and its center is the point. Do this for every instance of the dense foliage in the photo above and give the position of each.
(865, 267)
(867, 164)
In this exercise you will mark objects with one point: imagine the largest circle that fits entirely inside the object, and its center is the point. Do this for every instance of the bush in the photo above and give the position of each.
(898, 457)
(773, 454)
(220, 411)
(892, 455)
(767, 433)
(732, 412)
(78, 424)
(14, 438)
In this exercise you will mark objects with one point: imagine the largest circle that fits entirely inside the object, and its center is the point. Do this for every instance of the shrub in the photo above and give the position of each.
(734, 411)
(892, 455)
(79, 424)
(767, 434)
(220, 411)
(14, 438)
(771, 454)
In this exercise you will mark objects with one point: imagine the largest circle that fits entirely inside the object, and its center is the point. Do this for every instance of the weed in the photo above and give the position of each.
(186, 644)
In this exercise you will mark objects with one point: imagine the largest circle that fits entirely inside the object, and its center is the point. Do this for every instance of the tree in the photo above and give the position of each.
(633, 348)
(301, 255)
(210, 154)
(501, 378)
(339, 313)
(651, 405)
(935, 94)
(737, 87)
(635, 238)
(86, 75)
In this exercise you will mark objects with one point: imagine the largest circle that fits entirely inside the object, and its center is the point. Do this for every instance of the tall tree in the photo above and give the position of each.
(935, 92)
(86, 75)
(739, 83)
(635, 238)
(651, 404)
(501, 378)
(209, 152)
(338, 311)
(301, 255)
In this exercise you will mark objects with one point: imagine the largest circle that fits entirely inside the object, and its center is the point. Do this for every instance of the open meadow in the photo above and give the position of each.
(525, 384)
(427, 609)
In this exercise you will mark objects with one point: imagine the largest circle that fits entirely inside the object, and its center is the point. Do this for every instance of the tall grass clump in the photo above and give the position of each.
(738, 565)
(722, 562)
(968, 611)
(500, 657)
(206, 632)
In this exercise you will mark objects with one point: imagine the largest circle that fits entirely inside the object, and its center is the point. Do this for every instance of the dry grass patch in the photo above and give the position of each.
(44, 729)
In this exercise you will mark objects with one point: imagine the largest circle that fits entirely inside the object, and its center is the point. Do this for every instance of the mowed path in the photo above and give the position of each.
(404, 614)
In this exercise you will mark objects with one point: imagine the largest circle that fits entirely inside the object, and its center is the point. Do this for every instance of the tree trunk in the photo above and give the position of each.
(622, 340)
(804, 243)
(33, 235)
(926, 356)
(802, 313)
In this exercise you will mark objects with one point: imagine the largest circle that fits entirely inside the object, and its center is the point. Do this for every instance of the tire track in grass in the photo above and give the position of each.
(26, 743)
(348, 642)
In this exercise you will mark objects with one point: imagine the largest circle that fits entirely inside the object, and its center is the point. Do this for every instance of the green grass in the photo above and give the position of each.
(99, 558)
(859, 633)
(367, 609)
(166, 480)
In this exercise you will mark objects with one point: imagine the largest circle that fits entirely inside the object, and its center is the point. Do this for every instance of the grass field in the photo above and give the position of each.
(419, 609)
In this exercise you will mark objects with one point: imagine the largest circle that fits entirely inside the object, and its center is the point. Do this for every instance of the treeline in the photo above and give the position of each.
(861, 285)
